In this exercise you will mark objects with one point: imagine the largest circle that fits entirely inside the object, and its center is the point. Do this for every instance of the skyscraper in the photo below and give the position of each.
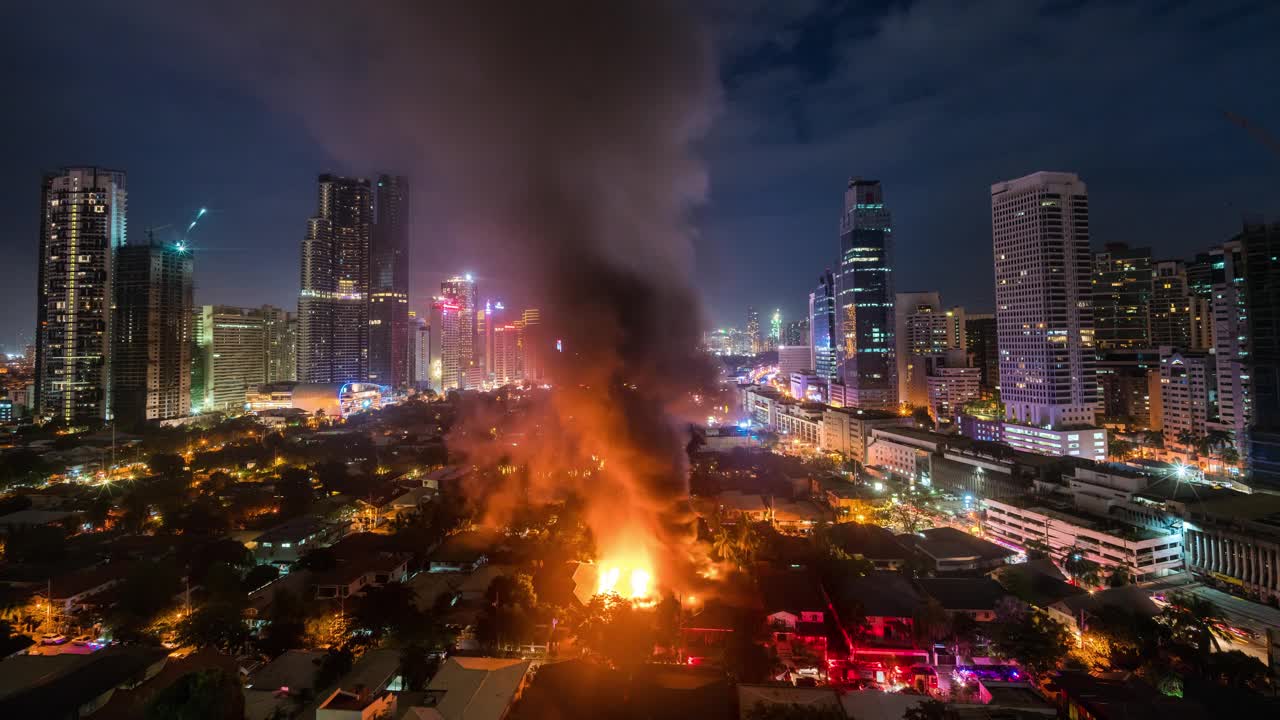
(1122, 287)
(152, 330)
(797, 332)
(534, 346)
(280, 340)
(1040, 231)
(864, 298)
(1170, 305)
(775, 330)
(460, 290)
(420, 369)
(333, 308)
(1261, 245)
(822, 328)
(83, 223)
(447, 334)
(753, 329)
(982, 345)
(232, 350)
(389, 347)
(1231, 344)
(507, 365)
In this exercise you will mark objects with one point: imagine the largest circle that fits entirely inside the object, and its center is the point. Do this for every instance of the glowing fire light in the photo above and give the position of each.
(638, 587)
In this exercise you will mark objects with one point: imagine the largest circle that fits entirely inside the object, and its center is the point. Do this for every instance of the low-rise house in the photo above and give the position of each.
(733, 506)
(344, 705)
(476, 688)
(352, 577)
(799, 617)
(888, 601)
(705, 635)
(1074, 610)
(287, 542)
(976, 597)
(799, 516)
(948, 550)
(461, 552)
(1038, 582)
(870, 542)
(69, 686)
(72, 590)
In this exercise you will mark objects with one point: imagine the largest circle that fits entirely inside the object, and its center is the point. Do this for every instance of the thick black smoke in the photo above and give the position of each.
(557, 138)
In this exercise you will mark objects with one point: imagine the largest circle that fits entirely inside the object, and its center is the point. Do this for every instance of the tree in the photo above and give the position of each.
(1195, 623)
(1032, 638)
(36, 544)
(1084, 571)
(286, 623)
(416, 667)
(965, 634)
(202, 695)
(147, 590)
(920, 416)
(218, 625)
(1036, 549)
(1121, 450)
(218, 482)
(293, 485)
(387, 609)
(335, 663)
(929, 623)
(1120, 576)
(166, 465)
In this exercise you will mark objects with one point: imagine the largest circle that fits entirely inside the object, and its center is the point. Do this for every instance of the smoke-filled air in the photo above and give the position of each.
(557, 139)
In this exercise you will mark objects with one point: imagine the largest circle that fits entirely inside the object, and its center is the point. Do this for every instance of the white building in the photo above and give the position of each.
(951, 388)
(1088, 442)
(1148, 554)
(800, 421)
(1187, 389)
(1231, 345)
(1040, 230)
(847, 430)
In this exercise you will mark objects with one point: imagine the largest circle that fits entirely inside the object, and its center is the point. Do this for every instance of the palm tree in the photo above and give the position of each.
(930, 623)
(1195, 622)
(1081, 569)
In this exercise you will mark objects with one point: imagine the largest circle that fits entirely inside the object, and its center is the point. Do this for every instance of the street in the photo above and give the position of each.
(1238, 611)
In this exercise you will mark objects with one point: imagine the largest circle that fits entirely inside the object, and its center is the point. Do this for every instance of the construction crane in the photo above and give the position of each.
(1256, 132)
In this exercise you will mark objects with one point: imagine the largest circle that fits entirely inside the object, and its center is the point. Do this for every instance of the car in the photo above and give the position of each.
(52, 639)
(82, 640)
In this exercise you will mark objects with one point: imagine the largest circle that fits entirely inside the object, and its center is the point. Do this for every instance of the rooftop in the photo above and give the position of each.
(949, 543)
(964, 593)
(477, 688)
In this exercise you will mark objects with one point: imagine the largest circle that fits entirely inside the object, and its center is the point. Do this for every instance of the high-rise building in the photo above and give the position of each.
(151, 332)
(822, 328)
(495, 317)
(864, 298)
(1261, 245)
(421, 360)
(1122, 287)
(797, 332)
(333, 306)
(1231, 344)
(83, 223)
(1187, 392)
(280, 339)
(389, 344)
(447, 335)
(231, 344)
(949, 389)
(983, 348)
(926, 335)
(534, 345)
(1125, 381)
(507, 365)
(1040, 229)
(460, 291)
(1170, 305)
(753, 329)
(775, 330)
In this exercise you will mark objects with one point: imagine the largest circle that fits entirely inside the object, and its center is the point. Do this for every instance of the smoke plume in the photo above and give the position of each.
(557, 142)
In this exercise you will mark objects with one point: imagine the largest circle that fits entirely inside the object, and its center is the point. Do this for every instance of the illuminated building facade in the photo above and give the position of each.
(389, 342)
(331, 400)
(775, 330)
(1170, 305)
(231, 350)
(151, 332)
(280, 339)
(83, 223)
(507, 364)
(421, 362)
(864, 298)
(982, 345)
(448, 328)
(1122, 288)
(1040, 231)
(1231, 344)
(333, 307)
(1261, 245)
(533, 345)
(753, 329)
(1188, 392)
(822, 328)
(460, 291)
(797, 332)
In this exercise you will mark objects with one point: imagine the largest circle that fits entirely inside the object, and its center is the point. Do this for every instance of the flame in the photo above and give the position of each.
(629, 579)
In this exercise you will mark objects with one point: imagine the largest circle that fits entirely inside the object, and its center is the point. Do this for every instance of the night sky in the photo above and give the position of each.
(935, 99)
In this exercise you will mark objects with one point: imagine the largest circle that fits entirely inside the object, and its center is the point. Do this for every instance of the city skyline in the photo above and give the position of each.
(1146, 193)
